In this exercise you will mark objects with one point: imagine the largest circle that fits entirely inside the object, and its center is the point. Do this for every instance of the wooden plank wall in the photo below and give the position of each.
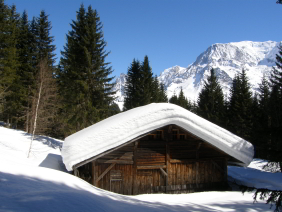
(170, 164)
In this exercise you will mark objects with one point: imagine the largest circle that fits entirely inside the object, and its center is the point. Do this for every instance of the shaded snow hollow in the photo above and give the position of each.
(121, 128)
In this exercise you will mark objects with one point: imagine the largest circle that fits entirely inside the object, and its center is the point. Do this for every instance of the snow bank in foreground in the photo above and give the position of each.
(128, 125)
(27, 187)
(33, 189)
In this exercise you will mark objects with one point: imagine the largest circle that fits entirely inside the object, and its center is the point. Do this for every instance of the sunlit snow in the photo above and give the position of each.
(26, 185)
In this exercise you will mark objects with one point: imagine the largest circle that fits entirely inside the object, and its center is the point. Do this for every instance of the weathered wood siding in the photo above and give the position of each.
(167, 160)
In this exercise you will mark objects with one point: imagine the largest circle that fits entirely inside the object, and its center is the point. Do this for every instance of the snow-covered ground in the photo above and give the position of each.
(41, 183)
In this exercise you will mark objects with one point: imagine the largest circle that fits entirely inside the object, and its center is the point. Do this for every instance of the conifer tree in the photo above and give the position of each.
(155, 90)
(25, 82)
(211, 100)
(9, 21)
(133, 91)
(173, 99)
(181, 100)
(275, 108)
(147, 82)
(261, 121)
(84, 74)
(240, 120)
(40, 48)
(163, 95)
(44, 39)
(141, 87)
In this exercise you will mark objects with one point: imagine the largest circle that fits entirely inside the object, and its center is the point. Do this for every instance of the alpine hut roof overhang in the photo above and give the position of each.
(123, 128)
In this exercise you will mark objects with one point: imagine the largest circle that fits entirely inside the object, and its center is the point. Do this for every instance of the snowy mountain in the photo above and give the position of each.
(119, 87)
(257, 58)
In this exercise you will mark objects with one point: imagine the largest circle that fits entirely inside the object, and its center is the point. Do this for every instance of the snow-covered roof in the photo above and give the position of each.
(124, 127)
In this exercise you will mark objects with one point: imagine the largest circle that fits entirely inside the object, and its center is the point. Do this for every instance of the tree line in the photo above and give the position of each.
(66, 97)
(141, 88)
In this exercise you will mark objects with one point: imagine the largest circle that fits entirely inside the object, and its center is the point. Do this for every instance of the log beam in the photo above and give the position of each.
(152, 167)
(163, 172)
(105, 172)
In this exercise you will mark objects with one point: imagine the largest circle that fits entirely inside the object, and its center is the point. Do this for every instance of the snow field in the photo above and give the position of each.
(28, 186)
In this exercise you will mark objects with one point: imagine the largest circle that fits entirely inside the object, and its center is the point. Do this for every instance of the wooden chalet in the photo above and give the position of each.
(167, 159)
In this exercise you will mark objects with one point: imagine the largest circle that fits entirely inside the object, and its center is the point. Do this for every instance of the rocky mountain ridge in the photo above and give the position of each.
(257, 58)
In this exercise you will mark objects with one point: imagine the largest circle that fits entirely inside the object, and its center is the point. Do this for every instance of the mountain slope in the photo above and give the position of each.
(257, 58)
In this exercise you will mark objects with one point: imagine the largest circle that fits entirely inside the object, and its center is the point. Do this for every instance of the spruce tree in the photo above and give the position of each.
(174, 99)
(181, 100)
(211, 100)
(9, 21)
(239, 113)
(44, 39)
(25, 83)
(133, 90)
(147, 82)
(85, 85)
(261, 121)
(155, 90)
(275, 108)
(163, 95)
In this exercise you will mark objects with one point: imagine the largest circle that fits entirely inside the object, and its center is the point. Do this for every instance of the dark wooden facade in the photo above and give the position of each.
(167, 160)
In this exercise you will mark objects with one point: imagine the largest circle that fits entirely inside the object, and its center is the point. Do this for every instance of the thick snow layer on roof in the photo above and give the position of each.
(123, 127)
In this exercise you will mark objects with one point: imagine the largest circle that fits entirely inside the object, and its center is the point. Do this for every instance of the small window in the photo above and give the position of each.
(151, 137)
(159, 134)
(182, 136)
(174, 134)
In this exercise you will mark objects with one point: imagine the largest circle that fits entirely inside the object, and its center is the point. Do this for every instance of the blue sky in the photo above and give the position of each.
(170, 32)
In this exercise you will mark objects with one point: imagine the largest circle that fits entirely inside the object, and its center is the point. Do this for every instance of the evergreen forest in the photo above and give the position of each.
(37, 95)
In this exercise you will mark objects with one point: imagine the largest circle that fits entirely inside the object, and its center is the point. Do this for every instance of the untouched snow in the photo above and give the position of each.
(128, 125)
(255, 178)
(45, 151)
(27, 187)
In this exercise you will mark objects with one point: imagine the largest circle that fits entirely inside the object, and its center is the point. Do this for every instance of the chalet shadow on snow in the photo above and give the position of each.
(160, 148)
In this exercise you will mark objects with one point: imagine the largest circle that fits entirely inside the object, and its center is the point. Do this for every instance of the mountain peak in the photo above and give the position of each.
(228, 59)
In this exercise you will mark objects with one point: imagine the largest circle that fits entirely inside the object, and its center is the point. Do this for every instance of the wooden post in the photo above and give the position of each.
(167, 167)
(94, 173)
(134, 170)
(168, 138)
(75, 172)
(197, 173)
